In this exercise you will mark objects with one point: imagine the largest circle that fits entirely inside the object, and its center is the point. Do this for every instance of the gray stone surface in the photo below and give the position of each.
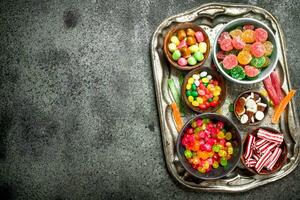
(78, 118)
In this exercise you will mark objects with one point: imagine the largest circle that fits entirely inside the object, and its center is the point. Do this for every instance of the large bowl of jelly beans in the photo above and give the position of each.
(204, 90)
(245, 51)
(209, 146)
(186, 46)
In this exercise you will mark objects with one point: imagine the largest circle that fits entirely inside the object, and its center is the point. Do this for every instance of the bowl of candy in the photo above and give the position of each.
(204, 90)
(245, 51)
(186, 46)
(209, 146)
(250, 108)
(264, 151)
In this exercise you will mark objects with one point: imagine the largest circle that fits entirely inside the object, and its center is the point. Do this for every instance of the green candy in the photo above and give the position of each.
(258, 62)
(188, 93)
(197, 130)
(194, 93)
(223, 162)
(192, 60)
(238, 73)
(198, 56)
(194, 87)
(188, 153)
(210, 100)
(205, 121)
(176, 55)
(216, 148)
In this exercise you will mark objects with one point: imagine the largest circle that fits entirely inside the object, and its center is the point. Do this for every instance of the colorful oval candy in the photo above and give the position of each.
(182, 62)
(199, 36)
(248, 26)
(230, 61)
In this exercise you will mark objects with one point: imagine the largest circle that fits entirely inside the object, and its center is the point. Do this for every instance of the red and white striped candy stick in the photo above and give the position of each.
(269, 136)
(271, 147)
(251, 162)
(249, 150)
(255, 156)
(260, 142)
(263, 147)
(277, 153)
(261, 162)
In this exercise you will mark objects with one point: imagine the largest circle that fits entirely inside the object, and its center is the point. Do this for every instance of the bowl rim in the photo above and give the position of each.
(190, 74)
(263, 99)
(284, 149)
(180, 157)
(244, 21)
(168, 55)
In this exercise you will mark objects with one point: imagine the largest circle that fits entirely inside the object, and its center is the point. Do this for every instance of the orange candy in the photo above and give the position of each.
(247, 47)
(244, 57)
(236, 33)
(181, 34)
(248, 36)
(269, 48)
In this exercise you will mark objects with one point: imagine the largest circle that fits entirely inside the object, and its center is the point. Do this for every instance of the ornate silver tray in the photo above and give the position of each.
(212, 17)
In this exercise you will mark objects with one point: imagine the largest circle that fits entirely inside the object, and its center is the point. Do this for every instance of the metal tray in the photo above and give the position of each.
(212, 17)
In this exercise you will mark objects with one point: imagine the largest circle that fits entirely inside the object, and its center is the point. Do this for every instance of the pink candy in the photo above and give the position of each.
(182, 44)
(199, 36)
(269, 136)
(182, 61)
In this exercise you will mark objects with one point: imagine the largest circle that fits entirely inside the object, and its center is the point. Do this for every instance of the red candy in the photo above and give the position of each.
(221, 55)
(261, 162)
(269, 136)
(238, 43)
(261, 35)
(224, 35)
(230, 61)
(251, 71)
(249, 149)
(275, 156)
(257, 49)
(226, 44)
(248, 26)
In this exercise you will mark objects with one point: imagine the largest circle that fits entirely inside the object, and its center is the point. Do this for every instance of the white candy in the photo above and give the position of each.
(197, 83)
(259, 115)
(244, 119)
(258, 100)
(202, 47)
(172, 47)
(251, 104)
(196, 76)
(252, 119)
(209, 77)
(203, 74)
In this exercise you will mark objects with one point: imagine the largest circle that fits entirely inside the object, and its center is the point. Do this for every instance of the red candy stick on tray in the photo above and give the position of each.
(260, 143)
(275, 157)
(271, 90)
(261, 162)
(269, 136)
(251, 162)
(276, 84)
(269, 148)
(255, 156)
(249, 150)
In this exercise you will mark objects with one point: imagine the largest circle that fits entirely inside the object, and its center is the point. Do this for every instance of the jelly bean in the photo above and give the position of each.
(268, 48)
(176, 55)
(206, 165)
(199, 36)
(195, 103)
(194, 93)
(215, 165)
(191, 80)
(222, 153)
(190, 32)
(209, 77)
(244, 57)
(195, 161)
(214, 103)
(181, 34)
(248, 36)
(202, 47)
(210, 100)
(258, 49)
(190, 40)
(188, 153)
(236, 33)
(196, 77)
(258, 62)
(185, 52)
(201, 170)
(228, 136)
(205, 80)
(175, 40)
(216, 93)
(192, 61)
(182, 61)
(216, 98)
(203, 74)
(198, 56)
(188, 93)
(197, 83)
(194, 48)
(199, 100)
(188, 86)
(194, 87)
(261, 35)
(201, 92)
(218, 88)
(172, 47)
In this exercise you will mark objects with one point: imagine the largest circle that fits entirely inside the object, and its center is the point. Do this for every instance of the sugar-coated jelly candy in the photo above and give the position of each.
(190, 32)
(236, 33)
(238, 43)
(215, 164)
(172, 47)
(248, 36)
(251, 71)
(230, 150)
(258, 62)
(258, 49)
(188, 153)
(267, 62)
(192, 61)
(198, 56)
(223, 162)
(247, 47)
(261, 35)
(185, 52)
(199, 36)
(248, 26)
(181, 34)
(182, 61)
(228, 136)
(223, 35)
(221, 55)
(244, 57)
(230, 61)
(176, 55)
(191, 40)
(268, 48)
(201, 170)
(175, 40)
(226, 44)
(238, 73)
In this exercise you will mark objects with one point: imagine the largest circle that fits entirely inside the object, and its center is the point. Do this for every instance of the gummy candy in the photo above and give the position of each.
(244, 57)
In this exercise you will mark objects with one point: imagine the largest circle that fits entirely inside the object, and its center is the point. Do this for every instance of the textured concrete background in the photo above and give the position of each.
(78, 118)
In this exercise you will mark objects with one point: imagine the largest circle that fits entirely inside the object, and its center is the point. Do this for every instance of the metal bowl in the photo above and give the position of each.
(274, 57)
(236, 143)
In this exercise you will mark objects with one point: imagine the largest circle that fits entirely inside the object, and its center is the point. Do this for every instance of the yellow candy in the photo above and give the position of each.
(209, 86)
(201, 170)
(248, 36)
(222, 153)
(236, 33)
(220, 135)
(194, 48)
(228, 136)
(205, 165)
(218, 88)
(244, 57)
(191, 80)
(211, 154)
(199, 100)
(216, 98)
(172, 47)
(216, 93)
(230, 150)
(205, 80)
(175, 40)
(264, 93)
(188, 86)
(228, 144)
(191, 99)
(202, 47)
(195, 103)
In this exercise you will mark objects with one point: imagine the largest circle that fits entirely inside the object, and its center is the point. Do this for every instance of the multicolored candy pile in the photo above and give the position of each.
(244, 52)
(263, 150)
(187, 47)
(249, 108)
(207, 145)
(203, 91)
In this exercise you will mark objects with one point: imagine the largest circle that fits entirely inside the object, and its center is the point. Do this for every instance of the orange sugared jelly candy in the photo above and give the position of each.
(244, 57)
(248, 36)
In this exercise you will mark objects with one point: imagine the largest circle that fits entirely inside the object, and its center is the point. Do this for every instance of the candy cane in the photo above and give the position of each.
(249, 150)
(261, 162)
(277, 153)
(269, 136)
